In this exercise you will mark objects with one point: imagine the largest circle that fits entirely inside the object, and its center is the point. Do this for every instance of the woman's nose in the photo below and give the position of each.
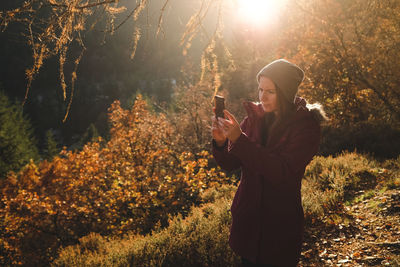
(263, 96)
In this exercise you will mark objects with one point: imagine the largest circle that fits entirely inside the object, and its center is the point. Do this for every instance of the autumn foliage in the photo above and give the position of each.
(330, 186)
(130, 183)
(349, 51)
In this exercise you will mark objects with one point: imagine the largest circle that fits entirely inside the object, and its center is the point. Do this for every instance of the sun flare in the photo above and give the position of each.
(259, 12)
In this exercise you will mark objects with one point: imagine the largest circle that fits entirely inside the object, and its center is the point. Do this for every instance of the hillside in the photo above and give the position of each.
(352, 209)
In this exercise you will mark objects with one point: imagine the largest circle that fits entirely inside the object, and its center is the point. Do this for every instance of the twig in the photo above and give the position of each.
(161, 17)
(143, 2)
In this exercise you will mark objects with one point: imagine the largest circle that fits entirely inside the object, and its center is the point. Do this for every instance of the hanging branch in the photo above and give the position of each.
(63, 25)
(160, 19)
(135, 13)
(74, 76)
(62, 22)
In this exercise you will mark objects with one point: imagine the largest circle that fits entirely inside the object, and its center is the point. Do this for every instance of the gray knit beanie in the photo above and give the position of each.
(286, 75)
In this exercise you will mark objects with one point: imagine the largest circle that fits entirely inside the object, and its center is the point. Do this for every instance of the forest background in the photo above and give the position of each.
(114, 131)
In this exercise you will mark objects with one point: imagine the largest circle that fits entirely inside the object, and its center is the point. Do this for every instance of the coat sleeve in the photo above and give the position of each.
(278, 167)
(224, 159)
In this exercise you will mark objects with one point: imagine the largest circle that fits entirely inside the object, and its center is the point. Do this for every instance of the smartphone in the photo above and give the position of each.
(219, 106)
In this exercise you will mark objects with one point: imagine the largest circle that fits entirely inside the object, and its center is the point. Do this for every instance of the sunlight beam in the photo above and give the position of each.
(259, 13)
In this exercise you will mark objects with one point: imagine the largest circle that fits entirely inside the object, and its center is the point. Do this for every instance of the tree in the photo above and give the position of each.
(51, 146)
(17, 145)
(349, 50)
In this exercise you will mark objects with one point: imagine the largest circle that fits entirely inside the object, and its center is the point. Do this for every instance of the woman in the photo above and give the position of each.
(272, 146)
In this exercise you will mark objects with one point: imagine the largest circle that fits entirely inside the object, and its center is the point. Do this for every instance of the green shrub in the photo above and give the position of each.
(329, 181)
(17, 144)
(390, 173)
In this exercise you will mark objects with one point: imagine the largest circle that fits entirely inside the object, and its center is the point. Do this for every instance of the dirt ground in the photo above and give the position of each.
(367, 233)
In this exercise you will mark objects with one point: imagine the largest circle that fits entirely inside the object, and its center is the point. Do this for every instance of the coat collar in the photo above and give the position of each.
(256, 113)
(255, 110)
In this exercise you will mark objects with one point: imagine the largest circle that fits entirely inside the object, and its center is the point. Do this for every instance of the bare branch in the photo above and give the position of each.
(159, 28)
(73, 78)
(135, 12)
(136, 38)
(98, 4)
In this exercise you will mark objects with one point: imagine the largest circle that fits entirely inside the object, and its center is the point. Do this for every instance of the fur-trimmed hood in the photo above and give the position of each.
(315, 109)
(255, 110)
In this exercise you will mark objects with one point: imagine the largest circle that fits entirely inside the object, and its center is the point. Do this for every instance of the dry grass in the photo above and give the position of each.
(198, 240)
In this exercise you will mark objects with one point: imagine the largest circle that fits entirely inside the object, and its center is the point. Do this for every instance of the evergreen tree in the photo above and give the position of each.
(51, 145)
(90, 135)
(17, 144)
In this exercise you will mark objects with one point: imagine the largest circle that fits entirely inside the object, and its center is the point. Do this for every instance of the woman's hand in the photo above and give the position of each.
(216, 132)
(230, 127)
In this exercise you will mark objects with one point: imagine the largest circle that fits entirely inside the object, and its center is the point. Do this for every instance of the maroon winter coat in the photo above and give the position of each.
(267, 215)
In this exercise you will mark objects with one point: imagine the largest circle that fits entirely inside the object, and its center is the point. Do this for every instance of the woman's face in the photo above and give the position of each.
(267, 94)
